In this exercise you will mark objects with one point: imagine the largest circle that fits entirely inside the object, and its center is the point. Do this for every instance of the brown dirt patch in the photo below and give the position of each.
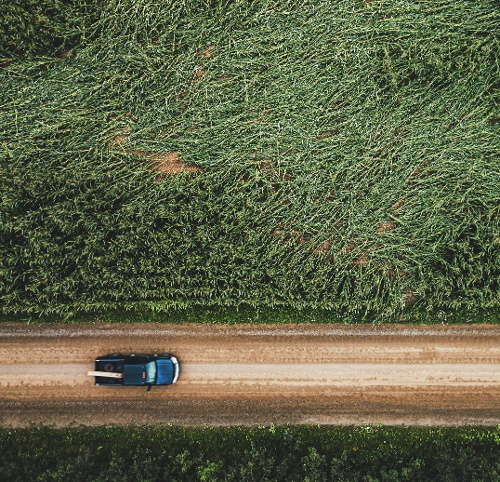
(170, 163)
(119, 140)
(385, 226)
(287, 234)
(325, 135)
(67, 54)
(361, 260)
(397, 205)
(207, 52)
(166, 164)
(323, 248)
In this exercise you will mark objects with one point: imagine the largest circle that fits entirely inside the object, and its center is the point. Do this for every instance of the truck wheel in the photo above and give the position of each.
(108, 367)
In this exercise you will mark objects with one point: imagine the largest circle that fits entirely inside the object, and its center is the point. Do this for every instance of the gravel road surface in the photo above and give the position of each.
(256, 375)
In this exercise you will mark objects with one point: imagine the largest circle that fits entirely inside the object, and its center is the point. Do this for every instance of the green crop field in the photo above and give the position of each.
(285, 453)
(287, 155)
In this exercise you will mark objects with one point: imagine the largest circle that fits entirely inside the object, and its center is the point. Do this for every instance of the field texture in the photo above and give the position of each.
(341, 156)
(312, 454)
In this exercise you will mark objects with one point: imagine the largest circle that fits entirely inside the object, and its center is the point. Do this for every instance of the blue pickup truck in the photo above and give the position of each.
(135, 370)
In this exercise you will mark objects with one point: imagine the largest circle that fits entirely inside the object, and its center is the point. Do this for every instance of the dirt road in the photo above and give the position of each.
(246, 375)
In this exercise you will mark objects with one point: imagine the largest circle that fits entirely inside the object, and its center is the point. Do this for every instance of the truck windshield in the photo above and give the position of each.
(151, 372)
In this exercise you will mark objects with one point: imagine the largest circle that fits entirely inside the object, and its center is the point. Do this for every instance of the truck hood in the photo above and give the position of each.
(165, 375)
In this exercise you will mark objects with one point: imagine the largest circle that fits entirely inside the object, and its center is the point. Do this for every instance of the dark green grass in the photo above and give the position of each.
(45, 27)
(350, 154)
(231, 316)
(286, 453)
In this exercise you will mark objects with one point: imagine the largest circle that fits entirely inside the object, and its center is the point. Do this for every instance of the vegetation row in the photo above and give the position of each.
(284, 453)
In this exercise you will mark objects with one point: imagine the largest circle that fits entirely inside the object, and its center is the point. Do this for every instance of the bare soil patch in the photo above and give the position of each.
(170, 163)
(166, 164)
(206, 52)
